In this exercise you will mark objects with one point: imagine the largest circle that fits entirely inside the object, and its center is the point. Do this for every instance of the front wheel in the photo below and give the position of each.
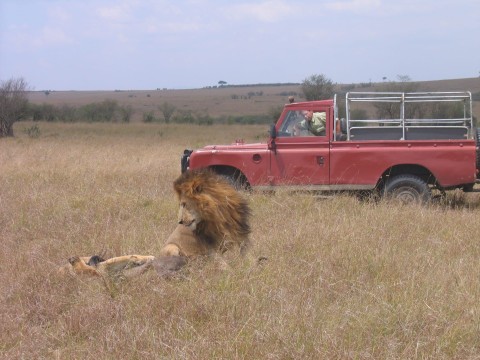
(407, 189)
(236, 179)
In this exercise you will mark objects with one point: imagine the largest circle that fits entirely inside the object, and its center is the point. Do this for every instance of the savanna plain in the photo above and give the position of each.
(346, 278)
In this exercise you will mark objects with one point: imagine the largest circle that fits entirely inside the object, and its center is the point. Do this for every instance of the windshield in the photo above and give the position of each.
(288, 125)
(303, 123)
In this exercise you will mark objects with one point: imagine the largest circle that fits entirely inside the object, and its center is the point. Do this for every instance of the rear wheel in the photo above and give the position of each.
(407, 189)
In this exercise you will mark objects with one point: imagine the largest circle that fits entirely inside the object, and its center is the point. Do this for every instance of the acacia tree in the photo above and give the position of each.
(317, 87)
(13, 104)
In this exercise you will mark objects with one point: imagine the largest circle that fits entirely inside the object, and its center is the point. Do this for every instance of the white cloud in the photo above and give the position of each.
(53, 36)
(266, 11)
(58, 14)
(114, 12)
(25, 39)
(354, 5)
(180, 27)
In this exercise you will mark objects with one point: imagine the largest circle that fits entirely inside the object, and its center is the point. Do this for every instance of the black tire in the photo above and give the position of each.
(407, 189)
(236, 180)
(468, 187)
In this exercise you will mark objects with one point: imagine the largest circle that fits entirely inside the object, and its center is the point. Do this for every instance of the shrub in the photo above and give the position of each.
(99, 112)
(148, 117)
(184, 117)
(167, 110)
(67, 113)
(125, 113)
(106, 111)
(205, 120)
(45, 112)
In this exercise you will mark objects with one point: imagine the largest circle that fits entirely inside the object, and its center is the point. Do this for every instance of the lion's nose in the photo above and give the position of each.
(180, 222)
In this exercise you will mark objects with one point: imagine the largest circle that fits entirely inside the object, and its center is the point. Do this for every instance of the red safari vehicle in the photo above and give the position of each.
(402, 145)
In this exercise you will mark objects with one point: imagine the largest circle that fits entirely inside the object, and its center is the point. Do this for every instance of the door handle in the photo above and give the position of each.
(320, 160)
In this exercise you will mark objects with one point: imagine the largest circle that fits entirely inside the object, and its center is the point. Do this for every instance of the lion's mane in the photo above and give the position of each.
(224, 211)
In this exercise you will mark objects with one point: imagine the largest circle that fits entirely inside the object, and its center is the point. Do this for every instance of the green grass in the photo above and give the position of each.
(344, 278)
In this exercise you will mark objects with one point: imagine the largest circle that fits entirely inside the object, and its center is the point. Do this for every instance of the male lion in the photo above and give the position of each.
(213, 218)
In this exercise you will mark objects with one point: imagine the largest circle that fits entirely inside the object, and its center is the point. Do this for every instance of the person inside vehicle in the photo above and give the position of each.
(313, 122)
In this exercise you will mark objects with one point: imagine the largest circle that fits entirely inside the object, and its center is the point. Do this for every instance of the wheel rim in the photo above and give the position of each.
(407, 195)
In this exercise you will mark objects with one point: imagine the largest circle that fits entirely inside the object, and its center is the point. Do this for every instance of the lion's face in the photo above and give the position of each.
(188, 214)
(212, 209)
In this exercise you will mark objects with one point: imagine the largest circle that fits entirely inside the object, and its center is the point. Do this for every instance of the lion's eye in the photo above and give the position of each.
(183, 204)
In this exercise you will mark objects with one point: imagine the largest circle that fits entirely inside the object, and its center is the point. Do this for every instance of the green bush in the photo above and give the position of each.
(99, 112)
(205, 120)
(184, 117)
(105, 111)
(148, 117)
(125, 113)
(67, 113)
(43, 112)
(110, 111)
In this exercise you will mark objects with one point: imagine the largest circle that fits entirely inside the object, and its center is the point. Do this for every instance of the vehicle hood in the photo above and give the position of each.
(234, 147)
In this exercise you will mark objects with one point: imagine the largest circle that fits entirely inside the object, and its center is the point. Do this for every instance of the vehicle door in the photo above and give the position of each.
(300, 157)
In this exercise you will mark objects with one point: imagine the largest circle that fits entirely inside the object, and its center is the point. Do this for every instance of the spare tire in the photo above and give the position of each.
(478, 151)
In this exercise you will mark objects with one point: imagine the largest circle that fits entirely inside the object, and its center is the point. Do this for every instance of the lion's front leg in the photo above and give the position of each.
(124, 263)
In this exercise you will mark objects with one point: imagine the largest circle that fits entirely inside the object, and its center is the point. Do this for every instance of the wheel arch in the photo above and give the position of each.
(414, 169)
(231, 171)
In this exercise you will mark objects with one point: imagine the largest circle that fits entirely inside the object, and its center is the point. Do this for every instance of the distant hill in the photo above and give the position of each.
(234, 100)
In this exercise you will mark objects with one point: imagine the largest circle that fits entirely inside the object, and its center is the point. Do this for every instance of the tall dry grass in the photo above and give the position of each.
(344, 278)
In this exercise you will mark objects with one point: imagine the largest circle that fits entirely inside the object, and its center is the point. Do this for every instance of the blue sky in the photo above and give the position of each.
(149, 44)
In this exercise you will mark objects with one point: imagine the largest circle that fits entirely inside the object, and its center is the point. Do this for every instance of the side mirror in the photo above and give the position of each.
(273, 132)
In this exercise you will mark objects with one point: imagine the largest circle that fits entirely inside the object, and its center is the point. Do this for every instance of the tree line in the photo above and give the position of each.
(14, 106)
(105, 111)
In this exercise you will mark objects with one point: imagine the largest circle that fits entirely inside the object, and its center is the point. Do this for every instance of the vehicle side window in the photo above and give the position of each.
(312, 124)
(303, 123)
